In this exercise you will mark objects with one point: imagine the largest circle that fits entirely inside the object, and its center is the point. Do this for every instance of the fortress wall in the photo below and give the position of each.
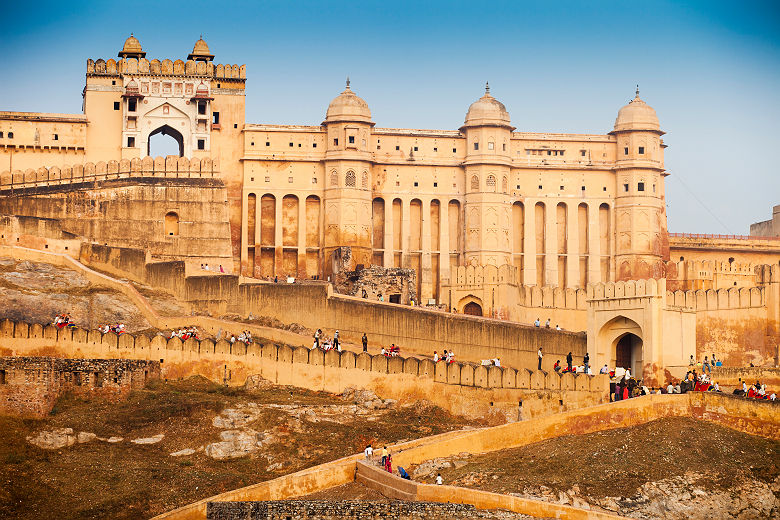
(112, 67)
(730, 376)
(475, 391)
(749, 416)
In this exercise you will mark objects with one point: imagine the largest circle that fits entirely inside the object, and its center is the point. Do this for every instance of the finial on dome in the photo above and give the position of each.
(637, 90)
(487, 87)
(347, 82)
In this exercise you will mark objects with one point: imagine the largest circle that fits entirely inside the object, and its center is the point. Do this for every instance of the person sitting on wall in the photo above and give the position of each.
(435, 357)
(317, 336)
(604, 369)
(569, 359)
(395, 350)
(557, 365)
(496, 362)
(670, 388)
(719, 363)
(557, 327)
(403, 473)
(547, 324)
(451, 358)
(773, 397)
(537, 323)
(384, 352)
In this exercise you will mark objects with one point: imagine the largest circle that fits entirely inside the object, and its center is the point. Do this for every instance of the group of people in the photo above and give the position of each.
(707, 364)
(185, 333)
(446, 357)
(755, 391)
(392, 351)
(245, 337)
(215, 269)
(538, 324)
(386, 462)
(63, 320)
(578, 369)
(117, 329)
(320, 341)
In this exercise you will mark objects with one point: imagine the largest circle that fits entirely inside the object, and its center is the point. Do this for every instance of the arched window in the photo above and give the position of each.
(334, 178)
(505, 185)
(475, 183)
(365, 180)
(171, 224)
(349, 180)
(491, 183)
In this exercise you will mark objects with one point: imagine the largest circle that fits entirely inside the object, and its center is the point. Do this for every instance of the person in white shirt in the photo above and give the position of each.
(369, 452)
(628, 374)
(438, 479)
(670, 389)
(435, 357)
(537, 323)
(496, 362)
(604, 369)
(772, 397)
(744, 387)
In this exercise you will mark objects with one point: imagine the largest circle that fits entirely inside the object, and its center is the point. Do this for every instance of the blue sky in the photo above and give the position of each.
(710, 69)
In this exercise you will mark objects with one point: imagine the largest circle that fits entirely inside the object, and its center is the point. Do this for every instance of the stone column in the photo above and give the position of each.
(405, 232)
(444, 243)
(301, 237)
(426, 277)
(594, 244)
(245, 269)
(278, 247)
(529, 243)
(551, 245)
(389, 254)
(572, 246)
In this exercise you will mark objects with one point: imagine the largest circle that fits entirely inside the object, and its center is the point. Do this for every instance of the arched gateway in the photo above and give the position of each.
(622, 338)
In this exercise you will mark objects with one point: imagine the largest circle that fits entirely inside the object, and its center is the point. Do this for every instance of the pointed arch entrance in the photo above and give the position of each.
(168, 131)
(623, 339)
(471, 305)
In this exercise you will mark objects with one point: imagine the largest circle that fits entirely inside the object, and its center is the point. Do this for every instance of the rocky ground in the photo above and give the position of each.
(670, 468)
(37, 292)
(177, 442)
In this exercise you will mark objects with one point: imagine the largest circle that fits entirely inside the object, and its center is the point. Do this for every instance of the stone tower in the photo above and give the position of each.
(347, 195)
(641, 240)
(487, 168)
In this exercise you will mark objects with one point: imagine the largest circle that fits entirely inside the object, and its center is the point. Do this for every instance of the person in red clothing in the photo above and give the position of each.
(389, 463)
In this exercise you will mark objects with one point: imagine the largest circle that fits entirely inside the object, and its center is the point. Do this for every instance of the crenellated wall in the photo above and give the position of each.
(463, 388)
(166, 67)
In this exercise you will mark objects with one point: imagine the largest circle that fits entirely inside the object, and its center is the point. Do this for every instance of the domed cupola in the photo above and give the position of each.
(132, 48)
(132, 90)
(202, 93)
(348, 107)
(637, 115)
(487, 111)
(200, 52)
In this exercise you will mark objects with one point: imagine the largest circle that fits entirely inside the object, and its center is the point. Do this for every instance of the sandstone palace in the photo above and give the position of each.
(485, 219)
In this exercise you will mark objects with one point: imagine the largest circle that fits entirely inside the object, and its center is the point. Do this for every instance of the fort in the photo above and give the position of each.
(455, 239)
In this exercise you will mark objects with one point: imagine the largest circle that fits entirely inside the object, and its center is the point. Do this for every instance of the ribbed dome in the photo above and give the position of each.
(637, 115)
(347, 106)
(487, 111)
(200, 52)
(132, 48)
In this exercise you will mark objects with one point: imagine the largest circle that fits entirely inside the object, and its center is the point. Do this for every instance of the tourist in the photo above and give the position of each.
(336, 341)
(496, 362)
(381, 298)
(547, 324)
(317, 335)
(451, 358)
(435, 357)
(369, 452)
(384, 352)
(385, 453)
(692, 362)
(587, 362)
(221, 270)
(403, 473)
(719, 363)
(389, 463)
(706, 364)
(537, 323)
(365, 342)
(670, 388)
(276, 279)
(557, 365)
(773, 397)
(604, 369)
(438, 479)
(539, 352)
(557, 327)
(569, 360)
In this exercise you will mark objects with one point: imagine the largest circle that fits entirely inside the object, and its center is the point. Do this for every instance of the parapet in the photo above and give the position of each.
(165, 67)
(157, 167)
(627, 289)
(720, 299)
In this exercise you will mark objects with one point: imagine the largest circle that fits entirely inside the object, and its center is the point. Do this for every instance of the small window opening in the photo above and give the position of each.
(235, 125)
(540, 186)
(56, 137)
(131, 142)
(415, 148)
(335, 142)
(582, 188)
(625, 187)
(201, 107)
(397, 147)
(202, 144)
(113, 82)
(641, 150)
(625, 151)
(10, 135)
(682, 259)
(116, 105)
(454, 150)
(605, 188)
(171, 224)
(351, 139)
(416, 184)
(582, 153)
(641, 186)
(561, 188)
(268, 143)
(131, 104)
(435, 184)
(215, 118)
(291, 145)
(1, 135)
(476, 146)
(314, 145)
(435, 149)
(490, 146)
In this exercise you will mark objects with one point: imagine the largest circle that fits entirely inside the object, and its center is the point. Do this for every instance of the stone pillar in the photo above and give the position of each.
(572, 246)
(444, 243)
(426, 277)
(551, 245)
(529, 243)
(405, 232)
(245, 269)
(594, 244)
(278, 247)
(301, 237)
(389, 255)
